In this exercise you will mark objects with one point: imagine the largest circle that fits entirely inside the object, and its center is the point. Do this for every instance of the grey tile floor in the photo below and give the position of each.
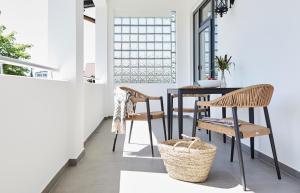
(131, 169)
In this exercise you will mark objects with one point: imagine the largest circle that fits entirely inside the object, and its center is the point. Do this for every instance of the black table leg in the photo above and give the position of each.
(251, 120)
(224, 116)
(169, 115)
(180, 115)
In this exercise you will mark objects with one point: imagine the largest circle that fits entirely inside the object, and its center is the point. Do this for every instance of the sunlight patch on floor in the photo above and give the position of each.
(147, 182)
(140, 140)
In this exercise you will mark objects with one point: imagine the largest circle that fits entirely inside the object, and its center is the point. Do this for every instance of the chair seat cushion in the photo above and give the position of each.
(191, 110)
(143, 116)
(247, 129)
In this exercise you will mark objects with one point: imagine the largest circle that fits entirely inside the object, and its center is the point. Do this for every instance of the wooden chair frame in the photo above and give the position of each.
(253, 96)
(138, 97)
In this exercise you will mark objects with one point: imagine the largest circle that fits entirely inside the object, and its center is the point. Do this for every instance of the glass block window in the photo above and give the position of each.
(145, 49)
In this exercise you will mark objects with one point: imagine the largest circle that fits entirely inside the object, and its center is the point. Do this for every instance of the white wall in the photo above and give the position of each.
(34, 131)
(30, 20)
(145, 8)
(93, 107)
(263, 38)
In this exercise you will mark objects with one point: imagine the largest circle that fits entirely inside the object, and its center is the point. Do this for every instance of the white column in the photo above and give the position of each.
(65, 29)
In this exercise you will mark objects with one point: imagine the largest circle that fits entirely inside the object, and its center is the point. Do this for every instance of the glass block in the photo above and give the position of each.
(150, 38)
(166, 21)
(150, 54)
(173, 47)
(142, 38)
(117, 54)
(125, 62)
(166, 38)
(126, 71)
(142, 46)
(150, 62)
(118, 38)
(167, 62)
(142, 79)
(118, 29)
(142, 21)
(125, 54)
(167, 71)
(150, 71)
(158, 38)
(125, 29)
(142, 62)
(134, 79)
(118, 21)
(158, 29)
(158, 62)
(166, 29)
(118, 46)
(151, 79)
(150, 21)
(134, 38)
(167, 46)
(134, 54)
(118, 71)
(134, 71)
(173, 26)
(134, 63)
(118, 79)
(134, 46)
(142, 29)
(125, 38)
(125, 21)
(158, 71)
(118, 62)
(134, 29)
(150, 46)
(173, 37)
(134, 21)
(142, 54)
(142, 71)
(150, 29)
(125, 46)
(158, 21)
(125, 79)
(158, 46)
(158, 54)
(166, 54)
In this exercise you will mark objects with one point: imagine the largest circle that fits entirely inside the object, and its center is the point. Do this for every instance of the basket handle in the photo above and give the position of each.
(188, 137)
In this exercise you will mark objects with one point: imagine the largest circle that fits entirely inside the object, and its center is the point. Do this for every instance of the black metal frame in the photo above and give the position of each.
(211, 22)
(149, 118)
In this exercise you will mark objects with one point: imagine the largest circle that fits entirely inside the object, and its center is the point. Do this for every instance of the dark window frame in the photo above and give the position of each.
(196, 29)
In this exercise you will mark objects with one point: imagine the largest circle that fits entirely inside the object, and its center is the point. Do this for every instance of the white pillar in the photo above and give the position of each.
(66, 52)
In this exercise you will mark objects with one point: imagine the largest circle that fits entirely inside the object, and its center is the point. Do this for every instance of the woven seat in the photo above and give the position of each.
(247, 130)
(144, 116)
(191, 110)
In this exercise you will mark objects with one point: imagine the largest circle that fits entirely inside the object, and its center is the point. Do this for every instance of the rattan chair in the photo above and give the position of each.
(137, 97)
(198, 110)
(250, 97)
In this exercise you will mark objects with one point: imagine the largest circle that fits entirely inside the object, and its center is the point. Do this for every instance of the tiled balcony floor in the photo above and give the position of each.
(131, 169)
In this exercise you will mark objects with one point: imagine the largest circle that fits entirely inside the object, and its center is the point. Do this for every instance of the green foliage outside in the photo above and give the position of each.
(9, 48)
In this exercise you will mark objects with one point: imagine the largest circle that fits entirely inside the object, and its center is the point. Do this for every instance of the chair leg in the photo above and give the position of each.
(196, 115)
(232, 149)
(272, 142)
(130, 131)
(239, 147)
(115, 140)
(149, 125)
(209, 135)
(164, 125)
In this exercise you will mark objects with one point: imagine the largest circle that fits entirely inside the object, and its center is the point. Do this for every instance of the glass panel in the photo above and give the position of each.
(204, 38)
(205, 12)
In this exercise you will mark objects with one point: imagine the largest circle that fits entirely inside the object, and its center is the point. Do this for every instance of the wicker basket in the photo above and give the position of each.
(187, 160)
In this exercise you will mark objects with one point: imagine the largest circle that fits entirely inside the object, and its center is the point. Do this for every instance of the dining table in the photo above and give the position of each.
(180, 92)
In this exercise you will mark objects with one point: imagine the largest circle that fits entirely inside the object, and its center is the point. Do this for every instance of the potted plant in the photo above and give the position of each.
(223, 64)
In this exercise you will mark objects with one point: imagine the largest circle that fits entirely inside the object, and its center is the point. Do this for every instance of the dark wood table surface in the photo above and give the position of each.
(181, 91)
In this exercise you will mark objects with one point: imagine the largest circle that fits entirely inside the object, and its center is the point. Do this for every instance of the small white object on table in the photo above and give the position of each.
(209, 83)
